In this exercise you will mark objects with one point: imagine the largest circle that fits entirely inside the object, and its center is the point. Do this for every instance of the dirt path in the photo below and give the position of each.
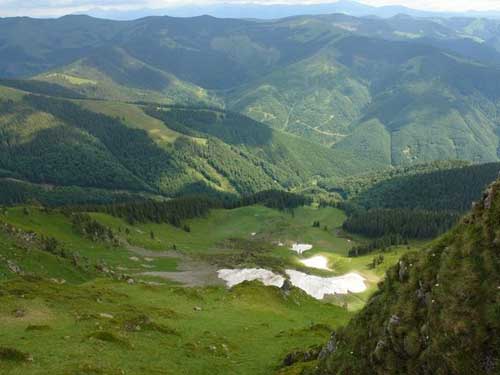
(190, 272)
(201, 275)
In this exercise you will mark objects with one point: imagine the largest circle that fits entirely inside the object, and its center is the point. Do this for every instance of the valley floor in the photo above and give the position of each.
(153, 304)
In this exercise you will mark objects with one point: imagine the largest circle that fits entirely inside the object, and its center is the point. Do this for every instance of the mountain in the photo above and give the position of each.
(112, 73)
(145, 149)
(449, 189)
(393, 91)
(274, 11)
(437, 311)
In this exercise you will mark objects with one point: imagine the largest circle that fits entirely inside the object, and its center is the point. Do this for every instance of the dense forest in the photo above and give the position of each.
(417, 202)
(41, 87)
(16, 192)
(53, 141)
(382, 243)
(179, 209)
(173, 211)
(441, 189)
(408, 223)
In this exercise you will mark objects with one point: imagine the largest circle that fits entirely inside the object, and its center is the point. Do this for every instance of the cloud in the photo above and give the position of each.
(441, 5)
(61, 7)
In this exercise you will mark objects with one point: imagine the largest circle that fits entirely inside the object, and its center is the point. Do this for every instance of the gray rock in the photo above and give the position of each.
(19, 313)
(14, 268)
(403, 271)
(394, 321)
(488, 198)
(329, 348)
(378, 353)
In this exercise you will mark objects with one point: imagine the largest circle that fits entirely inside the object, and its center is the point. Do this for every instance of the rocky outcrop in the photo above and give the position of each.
(437, 311)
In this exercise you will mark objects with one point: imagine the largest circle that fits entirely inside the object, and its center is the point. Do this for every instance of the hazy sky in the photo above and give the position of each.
(60, 7)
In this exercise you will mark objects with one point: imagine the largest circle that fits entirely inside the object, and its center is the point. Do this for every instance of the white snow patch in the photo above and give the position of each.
(317, 261)
(315, 286)
(301, 247)
(318, 287)
(237, 276)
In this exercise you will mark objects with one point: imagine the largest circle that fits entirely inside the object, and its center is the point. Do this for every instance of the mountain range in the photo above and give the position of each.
(143, 160)
(338, 94)
(275, 11)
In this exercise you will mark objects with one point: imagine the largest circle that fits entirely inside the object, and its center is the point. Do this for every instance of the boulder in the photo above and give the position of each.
(329, 348)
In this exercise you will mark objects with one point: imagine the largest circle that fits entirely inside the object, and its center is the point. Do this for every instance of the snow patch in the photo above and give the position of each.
(301, 247)
(237, 276)
(318, 261)
(319, 287)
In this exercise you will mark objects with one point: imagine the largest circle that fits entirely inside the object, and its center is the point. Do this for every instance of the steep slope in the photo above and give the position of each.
(59, 142)
(446, 189)
(430, 106)
(154, 150)
(316, 98)
(113, 74)
(437, 312)
(286, 154)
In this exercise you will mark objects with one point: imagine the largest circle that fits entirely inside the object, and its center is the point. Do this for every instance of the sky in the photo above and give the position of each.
(60, 7)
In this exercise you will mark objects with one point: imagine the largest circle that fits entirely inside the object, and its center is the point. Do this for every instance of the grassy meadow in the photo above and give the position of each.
(68, 317)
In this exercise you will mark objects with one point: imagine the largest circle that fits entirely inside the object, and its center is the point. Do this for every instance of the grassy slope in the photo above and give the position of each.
(244, 331)
(233, 155)
(247, 330)
(437, 311)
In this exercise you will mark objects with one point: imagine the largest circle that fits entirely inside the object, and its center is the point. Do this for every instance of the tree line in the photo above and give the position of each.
(175, 211)
(378, 244)
(416, 224)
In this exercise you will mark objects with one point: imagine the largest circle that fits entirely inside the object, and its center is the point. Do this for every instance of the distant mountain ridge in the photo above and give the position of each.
(275, 11)
(394, 91)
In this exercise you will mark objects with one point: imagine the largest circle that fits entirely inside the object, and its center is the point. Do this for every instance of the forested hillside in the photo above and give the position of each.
(421, 201)
(151, 150)
(448, 185)
(437, 311)
(396, 91)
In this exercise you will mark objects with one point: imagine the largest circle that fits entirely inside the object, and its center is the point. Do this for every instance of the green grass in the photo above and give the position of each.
(57, 225)
(134, 117)
(96, 325)
(33, 260)
(245, 331)
(267, 224)
(224, 238)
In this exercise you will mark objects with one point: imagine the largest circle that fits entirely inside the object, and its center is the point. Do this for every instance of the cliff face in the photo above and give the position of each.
(437, 312)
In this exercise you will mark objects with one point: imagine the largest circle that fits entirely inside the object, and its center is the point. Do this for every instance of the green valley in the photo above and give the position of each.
(104, 305)
(307, 195)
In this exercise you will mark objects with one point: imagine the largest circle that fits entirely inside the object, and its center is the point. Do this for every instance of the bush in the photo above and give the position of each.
(13, 355)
